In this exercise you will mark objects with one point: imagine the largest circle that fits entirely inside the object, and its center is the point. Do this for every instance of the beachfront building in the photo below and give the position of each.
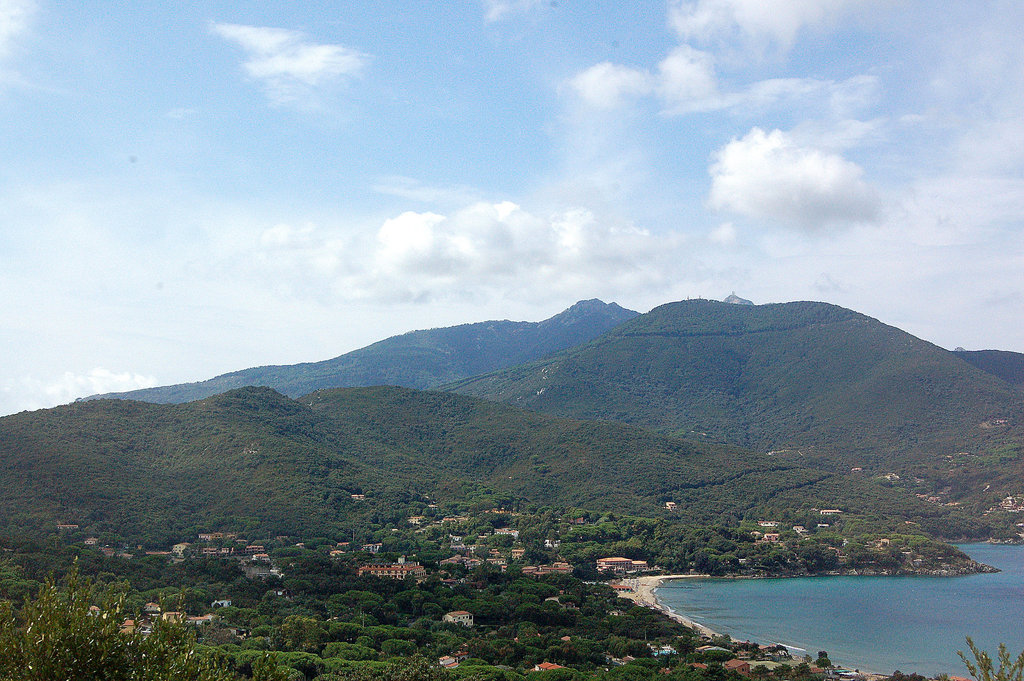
(621, 566)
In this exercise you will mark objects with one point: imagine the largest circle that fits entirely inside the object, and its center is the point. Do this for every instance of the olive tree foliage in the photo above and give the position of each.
(983, 668)
(58, 636)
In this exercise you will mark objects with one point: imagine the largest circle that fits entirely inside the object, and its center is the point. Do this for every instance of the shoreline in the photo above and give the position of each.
(643, 594)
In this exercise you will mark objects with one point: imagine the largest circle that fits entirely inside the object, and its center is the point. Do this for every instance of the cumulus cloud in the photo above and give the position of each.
(759, 21)
(686, 78)
(684, 81)
(289, 66)
(608, 86)
(476, 250)
(769, 176)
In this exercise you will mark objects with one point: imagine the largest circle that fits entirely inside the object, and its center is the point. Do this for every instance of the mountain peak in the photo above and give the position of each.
(595, 306)
(736, 300)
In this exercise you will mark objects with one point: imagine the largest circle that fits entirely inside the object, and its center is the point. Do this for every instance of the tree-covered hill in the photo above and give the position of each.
(839, 387)
(256, 461)
(419, 359)
(1006, 365)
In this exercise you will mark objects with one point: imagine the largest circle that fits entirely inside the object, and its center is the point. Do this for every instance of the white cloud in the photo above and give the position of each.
(723, 235)
(15, 16)
(290, 67)
(408, 243)
(959, 210)
(14, 20)
(768, 176)
(495, 10)
(685, 82)
(686, 78)
(415, 190)
(29, 392)
(607, 85)
(757, 21)
(478, 250)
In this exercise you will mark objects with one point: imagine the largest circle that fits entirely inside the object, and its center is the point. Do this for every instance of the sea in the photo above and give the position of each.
(874, 624)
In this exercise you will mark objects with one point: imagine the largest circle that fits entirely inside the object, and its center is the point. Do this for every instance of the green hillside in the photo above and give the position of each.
(256, 461)
(419, 359)
(840, 388)
(1003, 364)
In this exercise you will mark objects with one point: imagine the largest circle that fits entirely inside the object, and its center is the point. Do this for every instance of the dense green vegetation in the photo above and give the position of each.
(1008, 366)
(256, 461)
(419, 359)
(321, 619)
(870, 446)
(75, 632)
(806, 380)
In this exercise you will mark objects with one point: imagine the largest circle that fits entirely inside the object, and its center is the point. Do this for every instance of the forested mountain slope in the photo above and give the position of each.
(254, 460)
(840, 387)
(1004, 364)
(419, 359)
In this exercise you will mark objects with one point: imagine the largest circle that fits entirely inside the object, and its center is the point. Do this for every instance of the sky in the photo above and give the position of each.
(189, 188)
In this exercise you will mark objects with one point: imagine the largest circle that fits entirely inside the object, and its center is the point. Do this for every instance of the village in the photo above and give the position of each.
(479, 557)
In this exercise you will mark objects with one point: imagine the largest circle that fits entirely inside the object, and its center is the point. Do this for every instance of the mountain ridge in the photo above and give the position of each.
(252, 457)
(1003, 364)
(417, 359)
(805, 375)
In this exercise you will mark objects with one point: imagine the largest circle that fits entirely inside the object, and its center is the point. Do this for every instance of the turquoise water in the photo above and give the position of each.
(878, 624)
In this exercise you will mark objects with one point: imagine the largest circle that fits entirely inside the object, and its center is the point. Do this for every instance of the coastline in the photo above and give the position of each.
(643, 594)
(928, 659)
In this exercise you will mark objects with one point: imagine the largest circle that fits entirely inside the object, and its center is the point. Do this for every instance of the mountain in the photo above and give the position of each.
(419, 359)
(836, 386)
(259, 462)
(1006, 365)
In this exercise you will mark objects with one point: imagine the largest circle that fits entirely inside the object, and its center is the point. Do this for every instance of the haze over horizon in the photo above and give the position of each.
(187, 191)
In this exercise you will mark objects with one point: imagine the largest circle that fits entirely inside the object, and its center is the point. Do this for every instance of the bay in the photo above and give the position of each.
(876, 624)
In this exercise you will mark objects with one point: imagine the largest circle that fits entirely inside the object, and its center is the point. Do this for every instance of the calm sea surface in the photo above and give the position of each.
(878, 624)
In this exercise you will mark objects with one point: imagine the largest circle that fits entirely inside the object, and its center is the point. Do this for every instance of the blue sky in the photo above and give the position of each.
(192, 188)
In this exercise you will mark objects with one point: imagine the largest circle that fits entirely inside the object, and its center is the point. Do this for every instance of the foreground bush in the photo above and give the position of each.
(56, 637)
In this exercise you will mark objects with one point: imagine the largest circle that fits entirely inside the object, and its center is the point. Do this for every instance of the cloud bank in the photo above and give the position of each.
(475, 251)
(34, 393)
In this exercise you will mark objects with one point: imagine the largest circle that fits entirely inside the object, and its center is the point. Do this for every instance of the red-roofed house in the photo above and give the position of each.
(546, 666)
(739, 666)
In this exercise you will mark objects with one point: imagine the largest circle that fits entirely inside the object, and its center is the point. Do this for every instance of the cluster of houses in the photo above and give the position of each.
(399, 571)
(773, 535)
(1012, 504)
(152, 613)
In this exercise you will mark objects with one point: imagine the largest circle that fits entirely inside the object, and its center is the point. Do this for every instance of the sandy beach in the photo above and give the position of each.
(643, 594)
